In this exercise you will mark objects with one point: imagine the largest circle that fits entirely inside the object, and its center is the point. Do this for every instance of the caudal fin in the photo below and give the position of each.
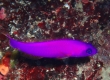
(4, 32)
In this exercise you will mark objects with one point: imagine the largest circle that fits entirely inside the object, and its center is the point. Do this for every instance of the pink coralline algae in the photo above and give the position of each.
(2, 14)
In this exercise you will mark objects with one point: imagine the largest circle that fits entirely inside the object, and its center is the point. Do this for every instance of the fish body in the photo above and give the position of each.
(55, 48)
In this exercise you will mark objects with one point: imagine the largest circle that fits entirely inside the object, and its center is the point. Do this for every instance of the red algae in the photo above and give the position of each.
(6, 59)
(85, 1)
(41, 25)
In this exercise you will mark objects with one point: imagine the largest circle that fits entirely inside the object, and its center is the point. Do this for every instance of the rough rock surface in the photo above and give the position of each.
(38, 20)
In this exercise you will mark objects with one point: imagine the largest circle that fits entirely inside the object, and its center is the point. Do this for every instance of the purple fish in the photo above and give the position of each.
(55, 48)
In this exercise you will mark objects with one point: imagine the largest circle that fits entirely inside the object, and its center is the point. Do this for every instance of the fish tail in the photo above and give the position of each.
(5, 33)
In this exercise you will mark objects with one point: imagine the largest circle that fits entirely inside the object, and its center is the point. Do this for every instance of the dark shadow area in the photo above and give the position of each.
(53, 62)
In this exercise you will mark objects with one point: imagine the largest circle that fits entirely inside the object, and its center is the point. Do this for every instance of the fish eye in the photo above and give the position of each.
(89, 51)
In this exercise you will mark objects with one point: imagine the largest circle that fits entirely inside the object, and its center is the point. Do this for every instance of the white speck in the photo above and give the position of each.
(75, 78)
(49, 0)
(29, 35)
(30, 17)
(56, 31)
(61, 0)
(7, 48)
(66, 6)
(47, 32)
(64, 24)
(52, 69)
(98, 65)
(47, 70)
(69, 35)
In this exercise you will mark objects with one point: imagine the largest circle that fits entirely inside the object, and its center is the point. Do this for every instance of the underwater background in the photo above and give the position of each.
(39, 20)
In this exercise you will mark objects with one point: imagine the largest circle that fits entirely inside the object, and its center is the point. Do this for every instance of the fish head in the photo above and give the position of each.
(85, 50)
(90, 50)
